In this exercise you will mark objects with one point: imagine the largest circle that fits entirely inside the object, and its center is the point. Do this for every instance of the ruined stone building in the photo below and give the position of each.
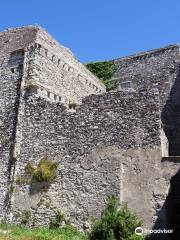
(124, 142)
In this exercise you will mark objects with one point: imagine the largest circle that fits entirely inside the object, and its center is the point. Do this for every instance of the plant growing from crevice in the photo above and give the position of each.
(25, 217)
(104, 71)
(12, 189)
(57, 222)
(45, 171)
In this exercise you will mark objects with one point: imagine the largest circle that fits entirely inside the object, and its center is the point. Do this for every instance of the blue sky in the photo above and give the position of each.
(99, 29)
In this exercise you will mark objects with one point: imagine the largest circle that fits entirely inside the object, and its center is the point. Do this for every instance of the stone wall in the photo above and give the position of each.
(158, 69)
(171, 118)
(12, 43)
(23, 60)
(94, 146)
(17, 38)
(10, 79)
(153, 69)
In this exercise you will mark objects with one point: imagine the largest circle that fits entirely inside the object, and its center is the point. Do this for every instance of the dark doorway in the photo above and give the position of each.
(173, 136)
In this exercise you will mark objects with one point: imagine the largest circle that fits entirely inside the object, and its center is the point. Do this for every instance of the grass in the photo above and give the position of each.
(66, 232)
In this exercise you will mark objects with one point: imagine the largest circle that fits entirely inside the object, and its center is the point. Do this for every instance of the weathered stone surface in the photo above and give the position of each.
(154, 69)
(90, 146)
(31, 61)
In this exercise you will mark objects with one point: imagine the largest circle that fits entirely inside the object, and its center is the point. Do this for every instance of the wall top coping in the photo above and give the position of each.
(149, 53)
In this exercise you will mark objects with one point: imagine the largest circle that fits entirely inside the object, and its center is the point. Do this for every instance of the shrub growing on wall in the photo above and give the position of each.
(116, 223)
(45, 171)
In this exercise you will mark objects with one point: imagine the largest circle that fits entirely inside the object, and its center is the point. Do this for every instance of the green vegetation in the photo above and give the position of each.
(57, 222)
(66, 232)
(25, 217)
(116, 223)
(12, 189)
(44, 172)
(29, 169)
(104, 71)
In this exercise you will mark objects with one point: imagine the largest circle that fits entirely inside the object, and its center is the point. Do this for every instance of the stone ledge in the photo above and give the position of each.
(171, 159)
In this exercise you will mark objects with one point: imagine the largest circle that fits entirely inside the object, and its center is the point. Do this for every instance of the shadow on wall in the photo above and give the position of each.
(37, 187)
(169, 215)
(171, 118)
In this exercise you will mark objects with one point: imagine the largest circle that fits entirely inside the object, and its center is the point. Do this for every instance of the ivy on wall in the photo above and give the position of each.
(104, 71)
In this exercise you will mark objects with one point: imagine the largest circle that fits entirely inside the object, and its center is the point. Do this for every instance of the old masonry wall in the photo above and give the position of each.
(12, 43)
(110, 144)
(152, 69)
(30, 62)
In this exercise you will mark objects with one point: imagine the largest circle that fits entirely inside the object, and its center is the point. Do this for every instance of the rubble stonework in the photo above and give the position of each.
(105, 142)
